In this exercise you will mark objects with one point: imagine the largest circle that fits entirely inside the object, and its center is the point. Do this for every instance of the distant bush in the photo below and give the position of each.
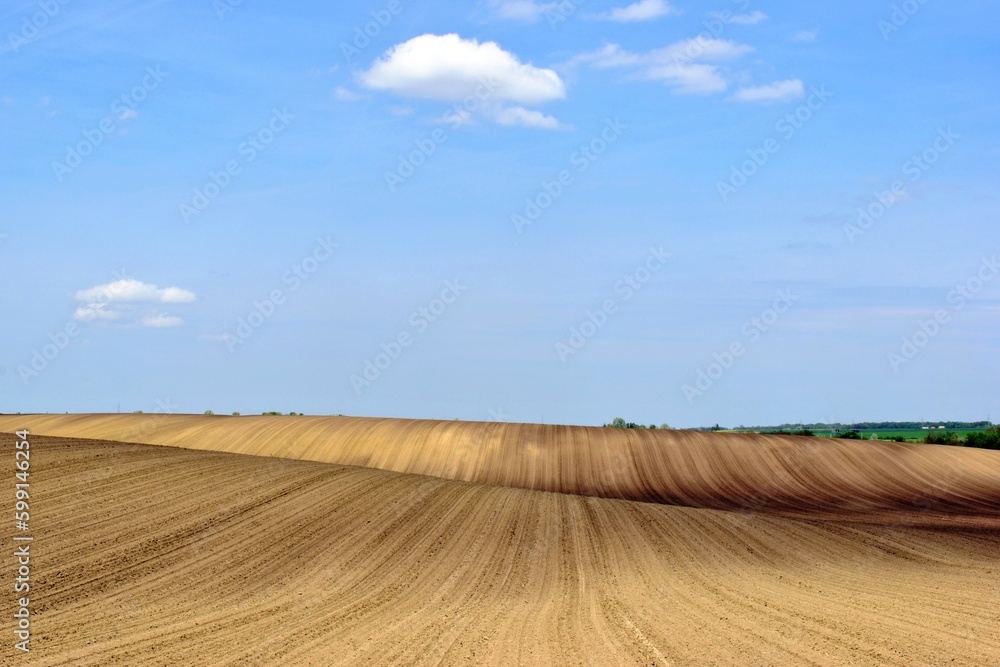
(849, 435)
(941, 438)
(988, 439)
(209, 412)
(272, 413)
(801, 431)
(618, 422)
(236, 414)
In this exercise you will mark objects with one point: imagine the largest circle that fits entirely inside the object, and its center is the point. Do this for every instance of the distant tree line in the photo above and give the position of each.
(988, 439)
(618, 422)
(868, 426)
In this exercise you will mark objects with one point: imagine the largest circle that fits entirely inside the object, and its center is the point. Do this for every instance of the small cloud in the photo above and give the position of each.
(131, 290)
(401, 111)
(521, 10)
(95, 311)
(317, 72)
(688, 66)
(779, 91)
(161, 321)
(805, 36)
(7, 101)
(45, 101)
(345, 95)
(525, 118)
(643, 10)
(122, 300)
(449, 68)
(752, 18)
(128, 114)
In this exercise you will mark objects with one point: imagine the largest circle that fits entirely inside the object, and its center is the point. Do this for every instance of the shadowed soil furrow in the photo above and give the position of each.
(808, 478)
(151, 555)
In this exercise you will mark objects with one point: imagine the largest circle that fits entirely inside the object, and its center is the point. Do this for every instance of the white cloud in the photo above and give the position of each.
(779, 91)
(346, 95)
(686, 66)
(95, 311)
(448, 68)
(643, 10)
(805, 35)
(128, 114)
(521, 10)
(752, 18)
(524, 117)
(123, 300)
(131, 290)
(161, 321)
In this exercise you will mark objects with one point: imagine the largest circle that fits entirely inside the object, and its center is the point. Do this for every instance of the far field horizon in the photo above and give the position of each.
(868, 425)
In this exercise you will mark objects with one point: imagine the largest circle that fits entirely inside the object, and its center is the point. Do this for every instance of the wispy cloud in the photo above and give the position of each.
(643, 10)
(688, 67)
(751, 18)
(128, 300)
(342, 94)
(521, 10)
(779, 91)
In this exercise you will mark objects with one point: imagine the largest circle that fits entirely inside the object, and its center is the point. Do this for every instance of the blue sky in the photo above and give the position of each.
(738, 212)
